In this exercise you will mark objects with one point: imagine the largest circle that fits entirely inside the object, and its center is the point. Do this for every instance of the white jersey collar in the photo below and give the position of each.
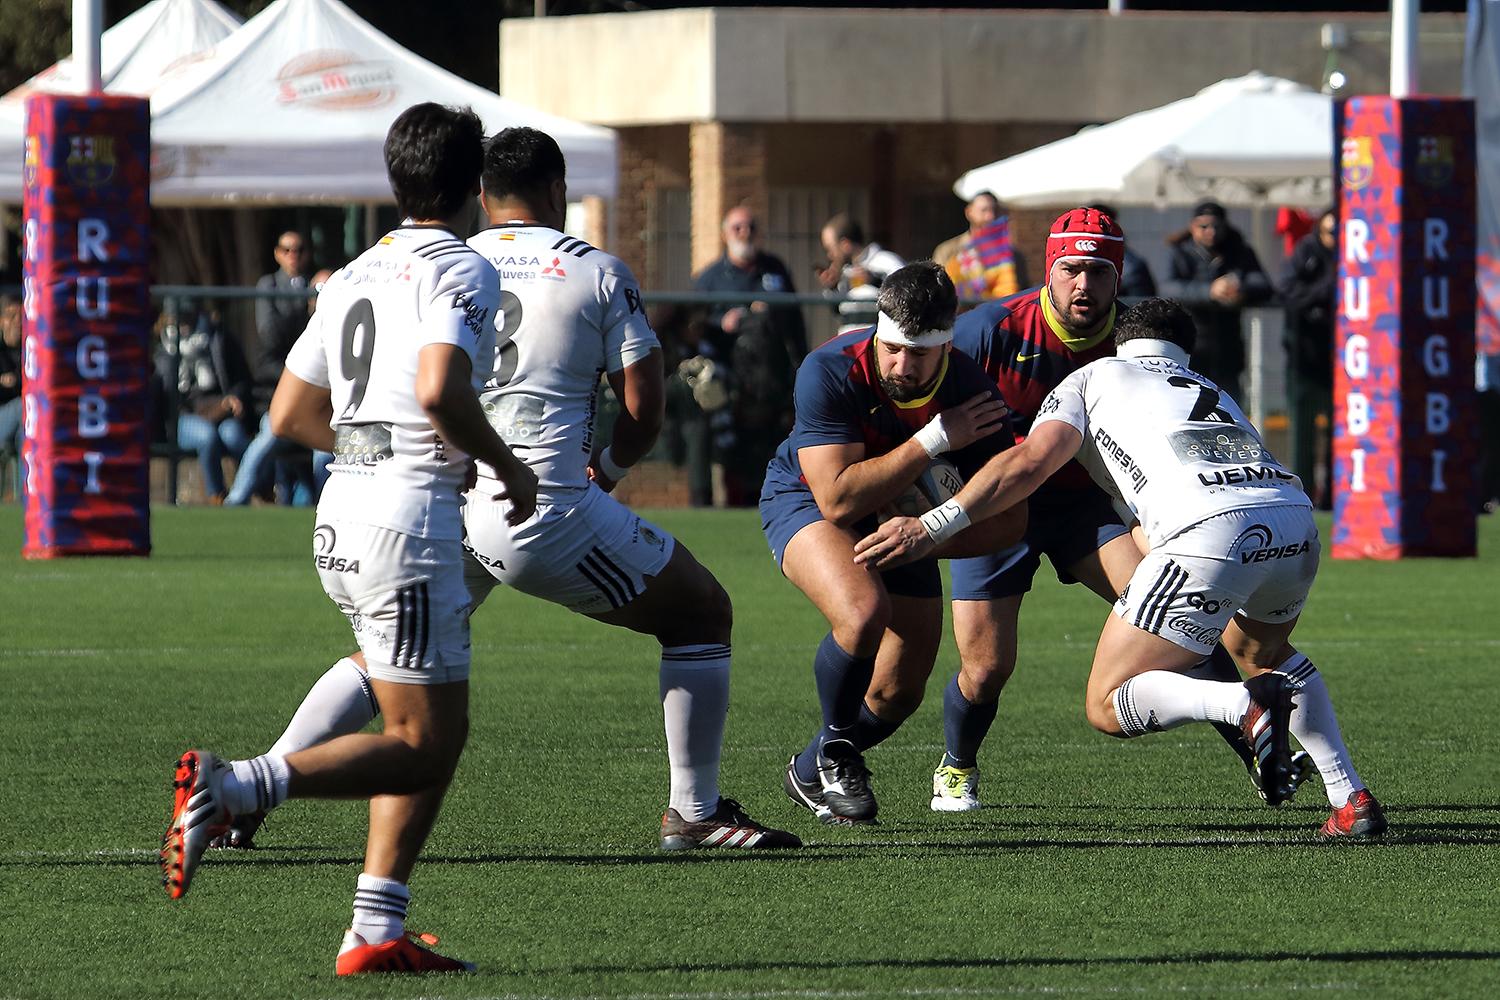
(1146, 348)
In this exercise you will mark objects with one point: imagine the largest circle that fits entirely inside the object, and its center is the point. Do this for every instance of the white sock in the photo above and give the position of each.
(1165, 699)
(695, 702)
(380, 908)
(341, 702)
(256, 785)
(1317, 728)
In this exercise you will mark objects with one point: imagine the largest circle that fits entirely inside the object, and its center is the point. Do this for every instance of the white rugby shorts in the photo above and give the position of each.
(1259, 562)
(404, 597)
(590, 555)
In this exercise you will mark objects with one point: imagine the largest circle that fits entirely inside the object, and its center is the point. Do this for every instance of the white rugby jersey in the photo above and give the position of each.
(1165, 440)
(569, 313)
(419, 285)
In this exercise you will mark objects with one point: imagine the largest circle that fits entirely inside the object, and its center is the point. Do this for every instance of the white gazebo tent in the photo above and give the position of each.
(295, 106)
(1251, 141)
(157, 41)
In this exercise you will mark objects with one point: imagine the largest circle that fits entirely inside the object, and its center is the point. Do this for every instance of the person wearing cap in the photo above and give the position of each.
(1027, 345)
(874, 408)
(1214, 273)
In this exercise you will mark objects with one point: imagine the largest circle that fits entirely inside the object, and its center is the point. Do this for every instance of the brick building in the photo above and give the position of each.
(804, 113)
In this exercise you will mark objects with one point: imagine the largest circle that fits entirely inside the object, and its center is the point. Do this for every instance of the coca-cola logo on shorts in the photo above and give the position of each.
(336, 80)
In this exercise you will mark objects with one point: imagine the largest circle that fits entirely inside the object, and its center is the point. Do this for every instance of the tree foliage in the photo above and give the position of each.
(462, 37)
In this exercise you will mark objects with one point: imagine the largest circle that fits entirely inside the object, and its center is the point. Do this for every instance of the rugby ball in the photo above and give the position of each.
(938, 483)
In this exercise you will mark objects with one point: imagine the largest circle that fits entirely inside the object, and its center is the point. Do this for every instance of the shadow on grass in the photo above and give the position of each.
(961, 963)
(1214, 835)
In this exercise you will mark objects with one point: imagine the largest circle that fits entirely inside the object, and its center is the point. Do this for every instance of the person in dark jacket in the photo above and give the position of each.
(754, 348)
(1214, 273)
(213, 385)
(1308, 291)
(1136, 281)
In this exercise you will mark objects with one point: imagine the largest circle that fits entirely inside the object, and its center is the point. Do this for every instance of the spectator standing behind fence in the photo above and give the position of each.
(279, 321)
(1308, 290)
(983, 260)
(1136, 281)
(10, 388)
(1214, 273)
(213, 386)
(757, 348)
(855, 268)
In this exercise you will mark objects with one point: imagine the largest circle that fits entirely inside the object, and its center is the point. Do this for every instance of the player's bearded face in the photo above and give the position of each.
(1082, 292)
(907, 373)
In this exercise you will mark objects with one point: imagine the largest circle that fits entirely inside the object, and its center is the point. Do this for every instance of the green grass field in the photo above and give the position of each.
(1098, 867)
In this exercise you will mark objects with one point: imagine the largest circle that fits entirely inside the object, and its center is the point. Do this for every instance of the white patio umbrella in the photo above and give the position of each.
(1252, 141)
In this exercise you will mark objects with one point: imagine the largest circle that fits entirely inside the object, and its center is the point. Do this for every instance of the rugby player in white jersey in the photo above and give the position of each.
(1233, 551)
(572, 313)
(385, 377)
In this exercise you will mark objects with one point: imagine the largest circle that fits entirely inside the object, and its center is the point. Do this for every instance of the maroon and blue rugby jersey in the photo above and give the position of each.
(839, 400)
(1026, 352)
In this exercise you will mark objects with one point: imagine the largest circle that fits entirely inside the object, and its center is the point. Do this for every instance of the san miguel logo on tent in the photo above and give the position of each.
(1435, 160)
(335, 80)
(91, 159)
(1358, 162)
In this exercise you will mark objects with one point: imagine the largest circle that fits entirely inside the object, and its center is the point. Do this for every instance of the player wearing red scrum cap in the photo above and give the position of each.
(1028, 344)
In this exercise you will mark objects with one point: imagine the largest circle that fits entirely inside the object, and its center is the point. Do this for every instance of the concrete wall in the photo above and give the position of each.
(773, 65)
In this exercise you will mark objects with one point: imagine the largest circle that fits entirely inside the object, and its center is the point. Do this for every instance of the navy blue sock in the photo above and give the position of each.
(870, 730)
(842, 681)
(964, 725)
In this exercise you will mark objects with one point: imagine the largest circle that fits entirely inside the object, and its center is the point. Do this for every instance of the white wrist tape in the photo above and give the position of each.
(933, 438)
(944, 521)
(609, 468)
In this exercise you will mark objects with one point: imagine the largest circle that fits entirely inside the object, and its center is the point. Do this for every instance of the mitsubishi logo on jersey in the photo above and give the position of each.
(1086, 246)
(554, 270)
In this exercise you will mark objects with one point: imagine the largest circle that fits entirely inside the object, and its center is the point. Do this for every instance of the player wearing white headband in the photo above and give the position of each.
(874, 408)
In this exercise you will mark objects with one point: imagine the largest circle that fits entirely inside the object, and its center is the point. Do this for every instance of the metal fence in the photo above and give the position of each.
(1264, 383)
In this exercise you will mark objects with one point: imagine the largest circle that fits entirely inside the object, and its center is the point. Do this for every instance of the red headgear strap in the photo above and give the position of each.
(1088, 234)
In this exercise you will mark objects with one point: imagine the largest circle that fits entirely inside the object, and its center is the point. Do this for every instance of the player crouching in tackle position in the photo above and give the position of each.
(874, 408)
(1233, 552)
(583, 549)
(390, 360)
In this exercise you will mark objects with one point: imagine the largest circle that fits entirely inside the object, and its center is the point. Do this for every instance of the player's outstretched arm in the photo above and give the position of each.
(302, 412)
(847, 486)
(446, 395)
(641, 390)
(988, 536)
(1004, 481)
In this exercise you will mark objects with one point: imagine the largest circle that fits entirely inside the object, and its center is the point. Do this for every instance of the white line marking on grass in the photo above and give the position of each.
(54, 653)
(103, 852)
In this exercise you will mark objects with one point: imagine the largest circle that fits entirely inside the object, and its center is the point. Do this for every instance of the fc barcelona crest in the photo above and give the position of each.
(1358, 162)
(1435, 160)
(32, 163)
(91, 159)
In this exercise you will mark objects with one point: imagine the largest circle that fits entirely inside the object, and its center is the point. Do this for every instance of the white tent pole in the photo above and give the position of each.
(1116, 7)
(88, 24)
(1404, 31)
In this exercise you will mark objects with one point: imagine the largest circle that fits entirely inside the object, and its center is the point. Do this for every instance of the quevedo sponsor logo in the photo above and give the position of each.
(336, 80)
